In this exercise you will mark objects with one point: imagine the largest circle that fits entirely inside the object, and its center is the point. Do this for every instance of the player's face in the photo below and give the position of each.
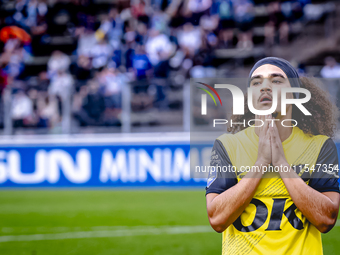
(263, 80)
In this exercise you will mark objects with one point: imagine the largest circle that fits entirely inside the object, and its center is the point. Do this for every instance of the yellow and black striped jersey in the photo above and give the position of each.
(272, 224)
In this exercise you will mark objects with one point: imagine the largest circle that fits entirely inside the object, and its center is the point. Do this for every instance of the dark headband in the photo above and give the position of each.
(285, 66)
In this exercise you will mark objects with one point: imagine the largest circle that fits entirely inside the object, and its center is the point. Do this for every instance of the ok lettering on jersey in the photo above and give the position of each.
(275, 217)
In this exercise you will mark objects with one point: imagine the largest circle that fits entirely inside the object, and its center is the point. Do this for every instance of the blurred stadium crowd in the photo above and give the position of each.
(75, 57)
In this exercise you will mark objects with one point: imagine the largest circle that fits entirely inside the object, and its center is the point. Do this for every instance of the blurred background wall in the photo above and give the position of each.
(96, 92)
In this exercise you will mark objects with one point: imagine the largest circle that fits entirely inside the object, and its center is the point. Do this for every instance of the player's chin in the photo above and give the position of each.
(264, 106)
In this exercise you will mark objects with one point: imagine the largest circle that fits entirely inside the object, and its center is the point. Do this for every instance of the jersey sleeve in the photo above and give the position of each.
(326, 177)
(221, 177)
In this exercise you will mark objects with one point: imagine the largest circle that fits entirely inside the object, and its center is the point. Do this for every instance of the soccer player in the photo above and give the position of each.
(282, 211)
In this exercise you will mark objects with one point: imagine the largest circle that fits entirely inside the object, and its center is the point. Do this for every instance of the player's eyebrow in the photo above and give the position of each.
(256, 77)
(276, 75)
(272, 75)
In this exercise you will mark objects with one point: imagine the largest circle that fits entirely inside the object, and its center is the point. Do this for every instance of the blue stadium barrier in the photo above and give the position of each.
(97, 161)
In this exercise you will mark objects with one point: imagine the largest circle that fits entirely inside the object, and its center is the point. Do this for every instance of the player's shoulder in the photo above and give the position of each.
(225, 138)
(230, 140)
(316, 139)
(328, 146)
(323, 144)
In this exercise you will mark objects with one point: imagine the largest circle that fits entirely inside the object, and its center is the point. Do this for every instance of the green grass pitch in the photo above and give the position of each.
(131, 222)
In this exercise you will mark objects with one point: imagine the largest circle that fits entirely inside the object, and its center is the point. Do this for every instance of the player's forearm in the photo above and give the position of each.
(225, 208)
(316, 207)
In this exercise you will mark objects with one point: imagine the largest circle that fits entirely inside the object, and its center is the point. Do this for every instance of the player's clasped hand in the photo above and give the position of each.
(264, 156)
(270, 146)
(277, 152)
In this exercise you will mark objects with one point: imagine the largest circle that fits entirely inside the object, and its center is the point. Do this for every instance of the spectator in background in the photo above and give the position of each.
(40, 83)
(61, 84)
(159, 21)
(223, 9)
(138, 9)
(141, 63)
(110, 31)
(205, 55)
(142, 30)
(48, 110)
(78, 99)
(37, 118)
(111, 81)
(101, 52)
(130, 49)
(331, 68)
(195, 9)
(189, 39)
(111, 85)
(331, 71)
(93, 107)
(82, 70)
(106, 25)
(115, 34)
(29, 13)
(16, 65)
(157, 44)
(22, 109)
(43, 81)
(277, 22)
(13, 58)
(86, 41)
(36, 12)
(142, 69)
(243, 16)
(59, 62)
